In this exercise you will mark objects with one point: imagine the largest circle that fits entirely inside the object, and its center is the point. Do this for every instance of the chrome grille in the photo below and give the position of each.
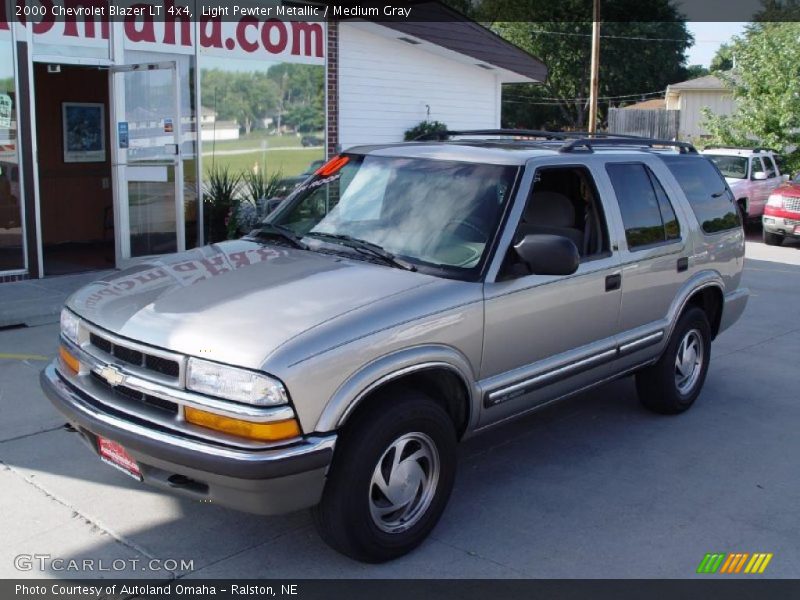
(127, 393)
(791, 204)
(149, 362)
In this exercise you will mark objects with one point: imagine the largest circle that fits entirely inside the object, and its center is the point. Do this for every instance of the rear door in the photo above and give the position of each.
(653, 254)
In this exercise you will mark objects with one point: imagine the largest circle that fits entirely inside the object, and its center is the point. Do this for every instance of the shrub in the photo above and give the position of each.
(423, 129)
(220, 191)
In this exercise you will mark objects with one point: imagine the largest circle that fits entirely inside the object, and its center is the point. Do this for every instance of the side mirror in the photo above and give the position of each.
(759, 176)
(547, 254)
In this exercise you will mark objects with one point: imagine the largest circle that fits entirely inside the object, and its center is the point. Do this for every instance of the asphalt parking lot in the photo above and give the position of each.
(595, 487)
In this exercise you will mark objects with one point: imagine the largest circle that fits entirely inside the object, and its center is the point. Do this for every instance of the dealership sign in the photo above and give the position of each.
(168, 26)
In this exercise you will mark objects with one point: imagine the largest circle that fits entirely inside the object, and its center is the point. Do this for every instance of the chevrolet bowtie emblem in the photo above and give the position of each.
(112, 375)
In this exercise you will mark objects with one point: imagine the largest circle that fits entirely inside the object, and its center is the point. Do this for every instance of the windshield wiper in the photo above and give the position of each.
(364, 247)
(279, 231)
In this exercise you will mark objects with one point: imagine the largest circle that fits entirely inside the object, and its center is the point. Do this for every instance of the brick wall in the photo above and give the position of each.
(333, 89)
(10, 278)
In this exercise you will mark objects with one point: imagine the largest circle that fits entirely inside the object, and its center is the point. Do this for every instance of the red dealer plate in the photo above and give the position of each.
(116, 456)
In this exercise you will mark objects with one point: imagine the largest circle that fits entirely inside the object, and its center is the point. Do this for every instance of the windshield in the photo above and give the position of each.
(440, 214)
(734, 167)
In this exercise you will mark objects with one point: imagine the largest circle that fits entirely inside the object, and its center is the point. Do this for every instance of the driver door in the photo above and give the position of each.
(548, 335)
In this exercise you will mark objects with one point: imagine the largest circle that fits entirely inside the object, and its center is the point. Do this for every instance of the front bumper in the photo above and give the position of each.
(271, 481)
(782, 225)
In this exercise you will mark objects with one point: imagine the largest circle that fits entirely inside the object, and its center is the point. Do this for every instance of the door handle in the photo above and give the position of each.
(683, 264)
(613, 282)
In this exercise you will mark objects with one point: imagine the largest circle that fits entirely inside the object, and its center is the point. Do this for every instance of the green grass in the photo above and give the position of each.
(289, 162)
(254, 141)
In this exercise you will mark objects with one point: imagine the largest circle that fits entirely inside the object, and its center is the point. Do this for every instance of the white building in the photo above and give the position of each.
(692, 96)
(108, 165)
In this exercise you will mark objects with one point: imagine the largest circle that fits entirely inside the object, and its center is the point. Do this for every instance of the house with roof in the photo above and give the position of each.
(692, 96)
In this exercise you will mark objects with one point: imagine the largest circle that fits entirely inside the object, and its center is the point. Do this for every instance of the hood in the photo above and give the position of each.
(790, 189)
(237, 301)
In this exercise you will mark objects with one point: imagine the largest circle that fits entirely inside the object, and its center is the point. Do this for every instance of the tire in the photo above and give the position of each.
(667, 387)
(772, 239)
(352, 516)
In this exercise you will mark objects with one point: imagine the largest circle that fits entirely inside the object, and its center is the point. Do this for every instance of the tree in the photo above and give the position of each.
(766, 89)
(695, 71)
(636, 57)
(723, 59)
(244, 97)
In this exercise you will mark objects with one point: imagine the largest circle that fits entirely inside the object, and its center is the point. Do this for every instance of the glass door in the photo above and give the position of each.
(148, 167)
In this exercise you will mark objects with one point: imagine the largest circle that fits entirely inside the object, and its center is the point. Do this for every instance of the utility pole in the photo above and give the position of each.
(595, 77)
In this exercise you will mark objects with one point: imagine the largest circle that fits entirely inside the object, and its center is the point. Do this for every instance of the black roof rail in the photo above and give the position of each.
(590, 143)
(756, 150)
(537, 133)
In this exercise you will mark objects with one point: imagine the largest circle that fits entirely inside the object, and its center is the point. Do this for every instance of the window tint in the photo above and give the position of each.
(638, 193)
(757, 167)
(769, 166)
(672, 230)
(706, 192)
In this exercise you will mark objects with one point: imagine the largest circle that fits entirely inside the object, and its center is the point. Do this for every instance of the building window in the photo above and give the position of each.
(12, 254)
(262, 130)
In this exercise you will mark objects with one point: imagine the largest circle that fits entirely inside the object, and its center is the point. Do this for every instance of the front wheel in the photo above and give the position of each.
(672, 384)
(772, 239)
(390, 480)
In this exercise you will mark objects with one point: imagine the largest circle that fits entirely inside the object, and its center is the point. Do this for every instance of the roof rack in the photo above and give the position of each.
(574, 140)
(756, 150)
(590, 143)
(537, 133)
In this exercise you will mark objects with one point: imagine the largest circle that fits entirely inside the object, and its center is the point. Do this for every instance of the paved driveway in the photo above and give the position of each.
(593, 487)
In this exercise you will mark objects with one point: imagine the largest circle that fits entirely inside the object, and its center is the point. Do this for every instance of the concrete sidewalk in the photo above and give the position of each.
(39, 301)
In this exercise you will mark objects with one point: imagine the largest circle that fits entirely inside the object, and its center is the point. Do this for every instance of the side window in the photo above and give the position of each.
(642, 201)
(769, 167)
(756, 166)
(563, 201)
(672, 230)
(706, 191)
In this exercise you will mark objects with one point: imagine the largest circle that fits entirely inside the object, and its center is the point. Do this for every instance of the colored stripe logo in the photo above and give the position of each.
(734, 562)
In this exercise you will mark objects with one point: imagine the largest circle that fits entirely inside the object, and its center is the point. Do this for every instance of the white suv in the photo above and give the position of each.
(751, 173)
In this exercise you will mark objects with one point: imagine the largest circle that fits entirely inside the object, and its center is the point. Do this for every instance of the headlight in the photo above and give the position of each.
(775, 200)
(234, 384)
(69, 325)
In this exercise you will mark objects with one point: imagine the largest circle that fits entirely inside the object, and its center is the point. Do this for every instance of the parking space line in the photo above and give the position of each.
(11, 356)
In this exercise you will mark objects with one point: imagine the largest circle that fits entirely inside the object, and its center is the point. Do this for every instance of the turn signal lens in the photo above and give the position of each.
(265, 432)
(332, 166)
(68, 360)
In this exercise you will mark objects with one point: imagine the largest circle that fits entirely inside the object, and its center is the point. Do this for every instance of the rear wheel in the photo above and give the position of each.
(674, 382)
(772, 239)
(390, 480)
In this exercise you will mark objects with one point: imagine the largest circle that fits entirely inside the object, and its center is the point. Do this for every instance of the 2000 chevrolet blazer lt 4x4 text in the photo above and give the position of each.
(404, 297)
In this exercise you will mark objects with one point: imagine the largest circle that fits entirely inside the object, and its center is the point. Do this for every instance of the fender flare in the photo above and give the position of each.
(393, 366)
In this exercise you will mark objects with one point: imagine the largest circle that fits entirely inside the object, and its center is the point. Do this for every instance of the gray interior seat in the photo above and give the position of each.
(553, 213)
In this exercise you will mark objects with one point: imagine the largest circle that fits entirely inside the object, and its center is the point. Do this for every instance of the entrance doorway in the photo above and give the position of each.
(74, 162)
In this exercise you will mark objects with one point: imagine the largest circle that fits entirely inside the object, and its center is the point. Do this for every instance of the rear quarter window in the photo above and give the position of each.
(706, 191)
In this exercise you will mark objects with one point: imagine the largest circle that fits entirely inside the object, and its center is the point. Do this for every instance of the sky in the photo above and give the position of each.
(707, 39)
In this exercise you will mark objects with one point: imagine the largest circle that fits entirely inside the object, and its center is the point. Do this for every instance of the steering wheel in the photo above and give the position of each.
(468, 224)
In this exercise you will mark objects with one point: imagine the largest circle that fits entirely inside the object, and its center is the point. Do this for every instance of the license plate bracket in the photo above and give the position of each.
(115, 455)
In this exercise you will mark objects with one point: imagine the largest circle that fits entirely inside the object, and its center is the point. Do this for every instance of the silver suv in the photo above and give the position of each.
(404, 298)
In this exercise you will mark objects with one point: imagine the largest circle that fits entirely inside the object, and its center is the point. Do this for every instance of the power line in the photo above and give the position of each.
(619, 97)
(624, 37)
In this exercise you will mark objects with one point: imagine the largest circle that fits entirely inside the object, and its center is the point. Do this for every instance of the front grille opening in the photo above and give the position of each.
(101, 343)
(161, 365)
(164, 366)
